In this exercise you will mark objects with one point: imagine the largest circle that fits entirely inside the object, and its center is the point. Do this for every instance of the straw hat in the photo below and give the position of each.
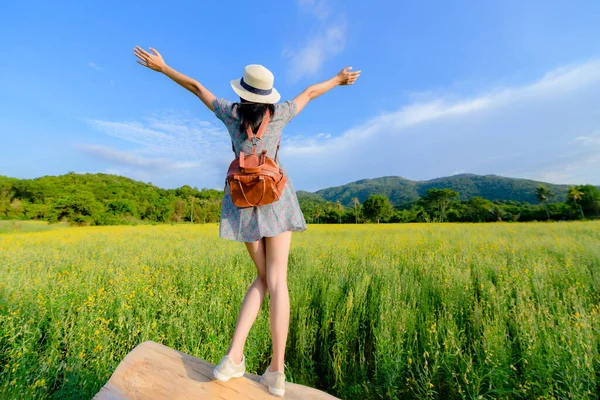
(256, 85)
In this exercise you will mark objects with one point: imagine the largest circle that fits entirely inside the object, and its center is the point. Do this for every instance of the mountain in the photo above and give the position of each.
(304, 196)
(105, 188)
(401, 191)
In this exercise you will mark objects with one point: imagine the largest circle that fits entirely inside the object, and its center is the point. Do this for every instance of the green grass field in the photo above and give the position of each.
(428, 311)
(28, 226)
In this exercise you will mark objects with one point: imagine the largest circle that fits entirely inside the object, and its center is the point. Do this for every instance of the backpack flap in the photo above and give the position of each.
(252, 163)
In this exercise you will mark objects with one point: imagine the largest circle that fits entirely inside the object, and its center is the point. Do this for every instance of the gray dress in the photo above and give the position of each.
(252, 223)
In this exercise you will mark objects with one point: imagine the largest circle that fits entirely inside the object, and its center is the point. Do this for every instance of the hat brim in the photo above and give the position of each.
(272, 98)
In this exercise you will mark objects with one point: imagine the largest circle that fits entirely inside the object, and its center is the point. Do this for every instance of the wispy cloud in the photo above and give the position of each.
(529, 131)
(171, 134)
(591, 140)
(326, 41)
(172, 148)
(95, 66)
(130, 159)
(307, 61)
(547, 130)
(576, 167)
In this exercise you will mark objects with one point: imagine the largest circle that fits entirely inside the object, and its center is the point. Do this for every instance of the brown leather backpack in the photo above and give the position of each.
(255, 179)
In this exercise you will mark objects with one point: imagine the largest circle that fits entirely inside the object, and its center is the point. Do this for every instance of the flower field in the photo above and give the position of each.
(422, 311)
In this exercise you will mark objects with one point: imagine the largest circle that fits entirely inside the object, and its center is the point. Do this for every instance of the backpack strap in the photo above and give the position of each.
(261, 130)
(263, 125)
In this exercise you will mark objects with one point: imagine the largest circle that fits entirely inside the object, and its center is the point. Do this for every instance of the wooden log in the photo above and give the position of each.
(153, 371)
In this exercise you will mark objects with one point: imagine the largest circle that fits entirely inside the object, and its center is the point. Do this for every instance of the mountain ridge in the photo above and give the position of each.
(402, 191)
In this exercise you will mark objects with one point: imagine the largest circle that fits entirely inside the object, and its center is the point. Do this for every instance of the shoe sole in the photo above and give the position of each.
(224, 378)
(274, 391)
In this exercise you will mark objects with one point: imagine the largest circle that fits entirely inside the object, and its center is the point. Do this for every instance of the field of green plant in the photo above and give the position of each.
(428, 311)
(28, 226)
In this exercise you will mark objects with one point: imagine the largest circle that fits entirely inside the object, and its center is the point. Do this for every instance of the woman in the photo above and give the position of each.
(266, 230)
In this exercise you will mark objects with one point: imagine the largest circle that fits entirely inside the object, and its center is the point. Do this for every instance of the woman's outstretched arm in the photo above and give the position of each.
(156, 63)
(344, 77)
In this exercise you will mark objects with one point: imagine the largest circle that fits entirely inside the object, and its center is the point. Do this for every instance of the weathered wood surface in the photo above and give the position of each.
(154, 371)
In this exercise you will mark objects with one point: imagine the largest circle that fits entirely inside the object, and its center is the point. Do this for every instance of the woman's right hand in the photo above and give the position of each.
(152, 61)
(345, 77)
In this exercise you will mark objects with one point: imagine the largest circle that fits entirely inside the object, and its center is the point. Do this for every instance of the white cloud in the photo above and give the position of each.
(171, 134)
(170, 150)
(130, 159)
(308, 60)
(527, 131)
(547, 130)
(581, 167)
(327, 41)
(95, 66)
(591, 140)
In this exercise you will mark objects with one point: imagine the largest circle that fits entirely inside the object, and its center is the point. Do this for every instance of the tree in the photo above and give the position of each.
(121, 207)
(179, 208)
(317, 213)
(590, 202)
(576, 195)
(437, 200)
(479, 209)
(80, 207)
(16, 209)
(497, 212)
(37, 211)
(339, 208)
(5, 196)
(377, 207)
(543, 194)
(328, 208)
(185, 191)
(192, 200)
(210, 210)
(457, 211)
(356, 204)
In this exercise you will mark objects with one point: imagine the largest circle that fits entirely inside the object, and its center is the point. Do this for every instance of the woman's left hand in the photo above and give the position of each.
(152, 61)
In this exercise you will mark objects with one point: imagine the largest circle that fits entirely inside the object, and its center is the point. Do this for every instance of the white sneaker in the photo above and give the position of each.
(227, 369)
(275, 381)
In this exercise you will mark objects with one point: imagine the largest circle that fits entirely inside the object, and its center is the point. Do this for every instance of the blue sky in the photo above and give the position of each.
(509, 88)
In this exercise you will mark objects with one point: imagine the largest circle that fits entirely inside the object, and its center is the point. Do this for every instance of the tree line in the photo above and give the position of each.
(103, 199)
(445, 205)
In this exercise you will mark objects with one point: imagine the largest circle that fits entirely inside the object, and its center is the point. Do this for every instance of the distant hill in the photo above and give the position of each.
(401, 191)
(104, 199)
(119, 195)
(308, 196)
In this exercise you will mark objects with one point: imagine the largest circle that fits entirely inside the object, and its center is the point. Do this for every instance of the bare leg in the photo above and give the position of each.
(277, 252)
(252, 301)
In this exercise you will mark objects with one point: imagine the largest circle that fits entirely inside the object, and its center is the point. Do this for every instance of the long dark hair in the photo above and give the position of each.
(251, 114)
